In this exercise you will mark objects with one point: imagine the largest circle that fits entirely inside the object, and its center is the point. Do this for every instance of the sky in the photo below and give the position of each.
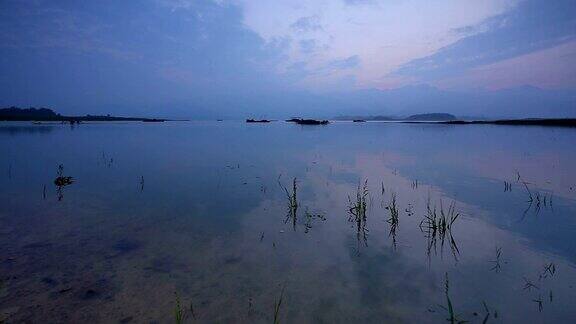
(263, 58)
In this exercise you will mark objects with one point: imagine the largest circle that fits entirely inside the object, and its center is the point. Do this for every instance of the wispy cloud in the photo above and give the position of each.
(530, 27)
(384, 35)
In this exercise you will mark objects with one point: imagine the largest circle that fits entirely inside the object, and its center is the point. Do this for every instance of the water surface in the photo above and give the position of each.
(200, 214)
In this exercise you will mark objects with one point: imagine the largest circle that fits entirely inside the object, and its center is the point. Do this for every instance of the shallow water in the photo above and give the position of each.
(196, 212)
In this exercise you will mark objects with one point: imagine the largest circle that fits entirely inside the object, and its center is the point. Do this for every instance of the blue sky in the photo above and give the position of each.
(260, 57)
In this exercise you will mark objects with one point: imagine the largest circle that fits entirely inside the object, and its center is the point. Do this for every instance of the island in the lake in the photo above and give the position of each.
(49, 115)
(417, 117)
(445, 118)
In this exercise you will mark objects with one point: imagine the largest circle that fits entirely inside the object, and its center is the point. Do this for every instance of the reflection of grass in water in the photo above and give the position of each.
(497, 266)
(437, 224)
(549, 270)
(359, 206)
(278, 305)
(357, 210)
(538, 200)
(393, 209)
(452, 317)
(292, 201)
(309, 217)
(393, 220)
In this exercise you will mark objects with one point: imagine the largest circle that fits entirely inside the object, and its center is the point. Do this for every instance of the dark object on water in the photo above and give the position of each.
(63, 181)
(257, 121)
(312, 122)
(219, 119)
(153, 120)
(293, 120)
(359, 121)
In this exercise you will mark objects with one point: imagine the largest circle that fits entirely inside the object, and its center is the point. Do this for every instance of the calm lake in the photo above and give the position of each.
(231, 222)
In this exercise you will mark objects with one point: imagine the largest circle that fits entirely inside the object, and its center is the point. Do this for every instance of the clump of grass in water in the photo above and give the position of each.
(393, 220)
(438, 226)
(179, 312)
(292, 202)
(357, 211)
(549, 271)
(507, 186)
(62, 181)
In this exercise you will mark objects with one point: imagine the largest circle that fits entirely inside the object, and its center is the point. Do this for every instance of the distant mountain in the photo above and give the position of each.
(432, 117)
(358, 117)
(417, 117)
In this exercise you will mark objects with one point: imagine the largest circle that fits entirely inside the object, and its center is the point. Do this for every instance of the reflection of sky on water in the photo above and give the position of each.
(209, 221)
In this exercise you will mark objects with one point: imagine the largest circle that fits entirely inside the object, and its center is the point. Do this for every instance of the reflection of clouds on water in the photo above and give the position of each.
(211, 225)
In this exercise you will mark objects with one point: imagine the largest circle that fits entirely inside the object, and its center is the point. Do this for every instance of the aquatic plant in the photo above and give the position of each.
(487, 313)
(496, 261)
(540, 303)
(278, 305)
(528, 285)
(357, 211)
(292, 202)
(359, 206)
(507, 186)
(178, 311)
(549, 271)
(393, 209)
(393, 220)
(437, 225)
(452, 316)
(61, 181)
